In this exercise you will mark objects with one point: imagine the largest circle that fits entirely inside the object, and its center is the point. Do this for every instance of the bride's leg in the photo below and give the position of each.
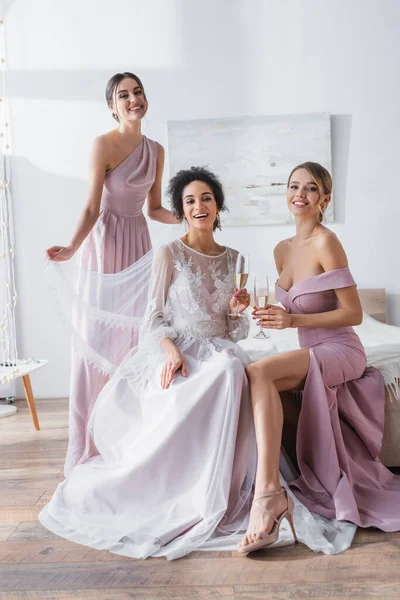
(267, 378)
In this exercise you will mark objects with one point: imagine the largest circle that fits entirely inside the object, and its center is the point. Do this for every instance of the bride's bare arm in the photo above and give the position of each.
(89, 215)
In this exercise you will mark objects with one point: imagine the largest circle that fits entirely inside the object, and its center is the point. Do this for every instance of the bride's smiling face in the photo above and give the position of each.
(199, 205)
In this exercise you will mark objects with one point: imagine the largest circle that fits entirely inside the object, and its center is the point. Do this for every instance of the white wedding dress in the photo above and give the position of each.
(176, 467)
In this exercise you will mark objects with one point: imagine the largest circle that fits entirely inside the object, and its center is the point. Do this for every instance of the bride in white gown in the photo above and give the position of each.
(173, 426)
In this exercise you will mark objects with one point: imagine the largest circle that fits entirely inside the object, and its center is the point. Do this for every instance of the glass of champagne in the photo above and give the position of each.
(261, 293)
(241, 276)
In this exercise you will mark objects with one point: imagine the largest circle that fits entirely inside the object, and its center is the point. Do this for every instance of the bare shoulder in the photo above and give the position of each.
(102, 144)
(282, 248)
(326, 239)
(329, 250)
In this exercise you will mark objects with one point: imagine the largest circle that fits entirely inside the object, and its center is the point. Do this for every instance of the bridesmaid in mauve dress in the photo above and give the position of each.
(340, 425)
(112, 234)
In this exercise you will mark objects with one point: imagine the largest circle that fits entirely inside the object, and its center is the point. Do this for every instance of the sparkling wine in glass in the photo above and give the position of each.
(241, 276)
(241, 280)
(261, 294)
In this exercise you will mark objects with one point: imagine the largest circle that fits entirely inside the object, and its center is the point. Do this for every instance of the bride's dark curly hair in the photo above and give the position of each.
(178, 183)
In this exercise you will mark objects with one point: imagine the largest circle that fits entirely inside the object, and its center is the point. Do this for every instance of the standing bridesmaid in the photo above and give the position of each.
(125, 168)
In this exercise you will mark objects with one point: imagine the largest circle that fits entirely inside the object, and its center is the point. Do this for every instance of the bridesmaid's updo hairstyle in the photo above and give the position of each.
(112, 85)
(321, 177)
(178, 183)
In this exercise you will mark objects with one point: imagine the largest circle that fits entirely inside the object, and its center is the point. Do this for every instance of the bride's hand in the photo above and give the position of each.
(239, 301)
(173, 363)
(60, 253)
(273, 317)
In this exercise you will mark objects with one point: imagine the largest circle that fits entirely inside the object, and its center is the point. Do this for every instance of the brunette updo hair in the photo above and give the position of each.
(178, 183)
(112, 85)
(321, 177)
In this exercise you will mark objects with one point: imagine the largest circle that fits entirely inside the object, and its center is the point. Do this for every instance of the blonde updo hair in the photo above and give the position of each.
(321, 177)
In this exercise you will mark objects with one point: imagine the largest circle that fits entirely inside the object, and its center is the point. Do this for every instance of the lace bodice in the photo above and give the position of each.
(190, 294)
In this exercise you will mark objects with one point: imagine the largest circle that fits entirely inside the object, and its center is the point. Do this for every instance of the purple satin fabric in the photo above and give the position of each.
(340, 427)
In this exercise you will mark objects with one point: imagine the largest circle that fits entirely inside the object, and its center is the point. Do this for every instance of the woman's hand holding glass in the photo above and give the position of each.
(239, 302)
(241, 275)
(273, 317)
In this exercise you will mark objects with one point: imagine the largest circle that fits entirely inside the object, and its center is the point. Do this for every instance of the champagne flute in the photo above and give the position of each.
(261, 294)
(241, 276)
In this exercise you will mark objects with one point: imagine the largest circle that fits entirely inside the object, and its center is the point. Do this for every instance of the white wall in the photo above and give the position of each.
(199, 59)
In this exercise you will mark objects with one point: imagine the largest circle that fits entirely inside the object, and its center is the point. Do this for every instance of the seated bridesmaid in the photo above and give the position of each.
(341, 418)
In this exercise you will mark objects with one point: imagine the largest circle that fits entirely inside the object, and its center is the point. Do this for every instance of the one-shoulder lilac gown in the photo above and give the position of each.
(340, 426)
(119, 238)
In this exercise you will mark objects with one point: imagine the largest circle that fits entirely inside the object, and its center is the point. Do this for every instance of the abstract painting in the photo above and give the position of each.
(253, 157)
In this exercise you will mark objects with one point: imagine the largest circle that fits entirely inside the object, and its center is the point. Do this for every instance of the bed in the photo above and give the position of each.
(382, 346)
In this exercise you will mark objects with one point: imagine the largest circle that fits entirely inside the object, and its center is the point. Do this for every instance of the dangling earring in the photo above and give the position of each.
(321, 213)
(218, 221)
(186, 224)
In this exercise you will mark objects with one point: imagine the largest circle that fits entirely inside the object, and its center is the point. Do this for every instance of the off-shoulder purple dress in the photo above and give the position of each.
(340, 426)
(119, 238)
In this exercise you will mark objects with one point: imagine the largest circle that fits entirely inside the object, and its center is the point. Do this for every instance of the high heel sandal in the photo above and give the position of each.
(270, 538)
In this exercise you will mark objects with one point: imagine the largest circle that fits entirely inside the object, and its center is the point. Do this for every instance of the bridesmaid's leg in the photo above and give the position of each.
(267, 378)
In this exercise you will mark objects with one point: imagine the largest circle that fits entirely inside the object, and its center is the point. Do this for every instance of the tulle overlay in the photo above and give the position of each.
(103, 314)
(176, 467)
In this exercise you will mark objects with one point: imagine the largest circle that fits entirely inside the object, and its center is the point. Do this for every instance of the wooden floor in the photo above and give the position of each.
(37, 564)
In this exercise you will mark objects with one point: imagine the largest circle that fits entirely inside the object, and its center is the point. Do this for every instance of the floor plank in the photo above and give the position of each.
(139, 593)
(31, 530)
(273, 567)
(6, 530)
(374, 536)
(318, 591)
(45, 497)
(34, 462)
(55, 550)
(12, 514)
(16, 492)
(28, 473)
(36, 446)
